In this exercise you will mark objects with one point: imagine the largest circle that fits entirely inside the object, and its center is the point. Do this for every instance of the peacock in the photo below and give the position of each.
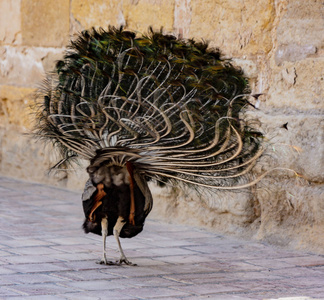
(146, 107)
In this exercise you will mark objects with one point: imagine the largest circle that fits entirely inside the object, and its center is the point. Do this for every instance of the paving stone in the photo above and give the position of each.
(35, 268)
(34, 251)
(135, 271)
(74, 256)
(294, 272)
(40, 289)
(311, 282)
(6, 281)
(267, 275)
(211, 249)
(149, 293)
(99, 295)
(28, 278)
(152, 281)
(317, 293)
(40, 297)
(4, 292)
(259, 285)
(96, 285)
(206, 289)
(166, 251)
(184, 268)
(167, 242)
(84, 275)
(4, 270)
(188, 234)
(75, 248)
(149, 261)
(82, 265)
(26, 259)
(321, 269)
(306, 261)
(219, 297)
(69, 241)
(228, 266)
(182, 259)
(26, 243)
(269, 263)
(45, 255)
(200, 278)
(4, 253)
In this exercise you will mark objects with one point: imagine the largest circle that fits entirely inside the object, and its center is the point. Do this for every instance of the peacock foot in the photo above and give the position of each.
(105, 262)
(125, 261)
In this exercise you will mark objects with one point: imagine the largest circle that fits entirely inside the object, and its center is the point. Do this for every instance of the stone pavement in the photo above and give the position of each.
(45, 255)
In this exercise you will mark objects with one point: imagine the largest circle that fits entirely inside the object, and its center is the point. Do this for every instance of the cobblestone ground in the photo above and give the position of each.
(45, 255)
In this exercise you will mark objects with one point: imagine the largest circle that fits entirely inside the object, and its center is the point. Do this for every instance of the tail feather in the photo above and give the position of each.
(172, 107)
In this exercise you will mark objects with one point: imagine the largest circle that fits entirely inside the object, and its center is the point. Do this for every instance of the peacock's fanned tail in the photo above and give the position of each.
(172, 107)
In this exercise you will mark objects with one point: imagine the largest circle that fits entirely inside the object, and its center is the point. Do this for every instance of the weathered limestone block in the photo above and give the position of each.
(10, 24)
(295, 141)
(250, 67)
(236, 27)
(22, 157)
(45, 23)
(293, 52)
(15, 105)
(77, 177)
(300, 31)
(302, 24)
(140, 14)
(50, 58)
(96, 13)
(298, 85)
(224, 211)
(182, 17)
(251, 70)
(21, 66)
(136, 15)
(292, 213)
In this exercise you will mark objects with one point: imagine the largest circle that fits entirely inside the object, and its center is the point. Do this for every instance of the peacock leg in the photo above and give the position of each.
(104, 232)
(117, 229)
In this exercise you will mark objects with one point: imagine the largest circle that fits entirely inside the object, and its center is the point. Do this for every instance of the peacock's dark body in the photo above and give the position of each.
(150, 107)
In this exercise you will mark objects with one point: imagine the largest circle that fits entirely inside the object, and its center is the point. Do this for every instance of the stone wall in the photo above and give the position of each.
(278, 43)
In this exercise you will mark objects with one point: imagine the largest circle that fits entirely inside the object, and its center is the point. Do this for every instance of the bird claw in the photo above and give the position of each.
(116, 263)
(126, 261)
(105, 262)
